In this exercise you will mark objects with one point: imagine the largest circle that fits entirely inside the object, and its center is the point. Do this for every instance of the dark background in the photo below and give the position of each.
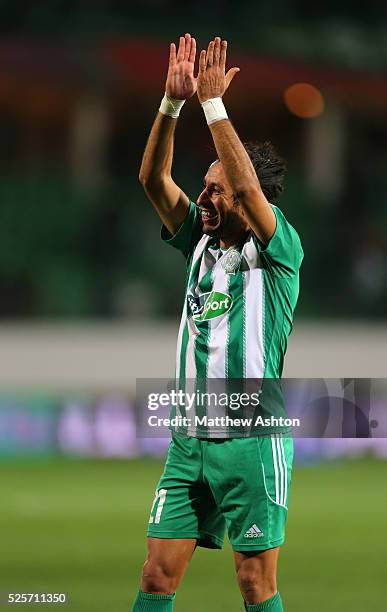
(80, 83)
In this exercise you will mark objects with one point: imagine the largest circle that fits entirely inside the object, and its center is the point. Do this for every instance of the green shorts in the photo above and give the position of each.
(241, 484)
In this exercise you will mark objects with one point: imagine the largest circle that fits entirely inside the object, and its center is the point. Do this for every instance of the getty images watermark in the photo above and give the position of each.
(193, 404)
(219, 408)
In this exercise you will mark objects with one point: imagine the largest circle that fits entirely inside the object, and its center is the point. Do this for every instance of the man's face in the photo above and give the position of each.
(222, 216)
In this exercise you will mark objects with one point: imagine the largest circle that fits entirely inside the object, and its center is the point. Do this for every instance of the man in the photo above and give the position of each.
(243, 259)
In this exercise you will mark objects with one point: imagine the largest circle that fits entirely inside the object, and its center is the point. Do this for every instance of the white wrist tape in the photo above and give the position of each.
(214, 110)
(170, 106)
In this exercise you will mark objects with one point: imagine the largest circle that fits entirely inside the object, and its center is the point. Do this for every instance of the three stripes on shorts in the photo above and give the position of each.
(280, 470)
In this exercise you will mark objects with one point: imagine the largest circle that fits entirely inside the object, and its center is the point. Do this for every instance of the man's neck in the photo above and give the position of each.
(226, 243)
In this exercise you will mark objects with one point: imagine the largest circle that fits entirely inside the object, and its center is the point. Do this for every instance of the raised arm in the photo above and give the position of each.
(170, 202)
(211, 84)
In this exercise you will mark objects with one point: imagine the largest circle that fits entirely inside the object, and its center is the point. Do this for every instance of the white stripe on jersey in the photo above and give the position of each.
(190, 366)
(198, 252)
(254, 316)
(218, 329)
(207, 262)
(190, 363)
(180, 339)
(254, 312)
(217, 343)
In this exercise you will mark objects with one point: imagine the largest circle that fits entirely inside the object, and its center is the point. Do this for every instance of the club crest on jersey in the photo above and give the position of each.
(231, 261)
(209, 305)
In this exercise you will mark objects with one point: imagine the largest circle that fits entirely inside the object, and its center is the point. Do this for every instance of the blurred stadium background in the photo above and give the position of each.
(90, 298)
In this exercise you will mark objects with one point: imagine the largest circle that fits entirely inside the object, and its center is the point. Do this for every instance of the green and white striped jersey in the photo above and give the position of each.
(237, 312)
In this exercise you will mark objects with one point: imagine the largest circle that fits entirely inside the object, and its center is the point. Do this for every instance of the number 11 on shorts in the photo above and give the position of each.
(160, 497)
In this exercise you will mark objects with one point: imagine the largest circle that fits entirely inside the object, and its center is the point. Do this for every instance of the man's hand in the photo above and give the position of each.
(212, 79)
(181, 83)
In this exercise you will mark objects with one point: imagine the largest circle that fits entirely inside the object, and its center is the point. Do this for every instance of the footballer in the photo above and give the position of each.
(243, 260)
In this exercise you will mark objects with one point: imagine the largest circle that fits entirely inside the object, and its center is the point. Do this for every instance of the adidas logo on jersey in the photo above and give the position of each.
(253, 532)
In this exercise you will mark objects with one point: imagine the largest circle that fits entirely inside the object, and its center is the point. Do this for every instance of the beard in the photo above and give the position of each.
(226, 228)
(214, 232)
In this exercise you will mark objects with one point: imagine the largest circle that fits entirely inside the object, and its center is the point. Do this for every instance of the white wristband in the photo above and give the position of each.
(214, 110)
(170, 106)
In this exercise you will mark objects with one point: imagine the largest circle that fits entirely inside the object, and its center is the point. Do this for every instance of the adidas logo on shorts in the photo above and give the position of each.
(253, 532)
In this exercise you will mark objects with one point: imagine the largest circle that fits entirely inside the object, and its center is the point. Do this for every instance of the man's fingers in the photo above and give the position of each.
(181, 49)
(216, 51)
(223, 53)
(187, 49)
(193, 51)
(230, 75)
(202, 62)
(172, 54)
(210, 53)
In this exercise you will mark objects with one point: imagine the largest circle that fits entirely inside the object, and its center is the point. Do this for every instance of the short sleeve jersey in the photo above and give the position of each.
(238, 306)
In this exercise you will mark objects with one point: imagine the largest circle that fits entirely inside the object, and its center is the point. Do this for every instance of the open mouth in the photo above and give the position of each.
(208, 215)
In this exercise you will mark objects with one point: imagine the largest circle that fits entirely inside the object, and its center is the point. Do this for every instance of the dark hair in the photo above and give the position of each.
(269, 167)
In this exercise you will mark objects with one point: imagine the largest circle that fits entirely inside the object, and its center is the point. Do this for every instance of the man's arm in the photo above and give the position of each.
(170, 202)
(240, 173)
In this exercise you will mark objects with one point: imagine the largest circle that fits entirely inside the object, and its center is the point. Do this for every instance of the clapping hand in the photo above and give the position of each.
(181, 83)
(212, 79)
